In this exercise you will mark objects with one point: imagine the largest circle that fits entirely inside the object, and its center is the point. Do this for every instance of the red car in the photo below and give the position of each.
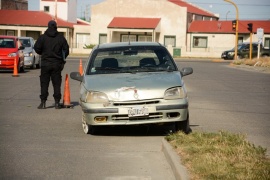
(10, 49)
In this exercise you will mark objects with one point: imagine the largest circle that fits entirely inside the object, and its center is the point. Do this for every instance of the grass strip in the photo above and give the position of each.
(221, 155)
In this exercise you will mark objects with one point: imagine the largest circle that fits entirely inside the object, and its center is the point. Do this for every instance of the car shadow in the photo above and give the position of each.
(136, 130)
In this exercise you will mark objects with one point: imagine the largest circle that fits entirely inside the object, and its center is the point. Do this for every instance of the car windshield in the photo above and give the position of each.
(25, 42)
(130, 60)
(7, 43)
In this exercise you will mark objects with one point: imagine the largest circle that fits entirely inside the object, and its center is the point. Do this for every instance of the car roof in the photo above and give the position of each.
(4, 36)
(124, 44)
(247, 43)
(25, 37)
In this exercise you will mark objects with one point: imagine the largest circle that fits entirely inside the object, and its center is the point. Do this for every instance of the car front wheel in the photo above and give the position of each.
(183, 126)
(88, 129)
(33, 66)
(20, 68)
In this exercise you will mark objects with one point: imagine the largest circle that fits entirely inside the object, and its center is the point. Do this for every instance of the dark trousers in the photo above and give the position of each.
(52, 72)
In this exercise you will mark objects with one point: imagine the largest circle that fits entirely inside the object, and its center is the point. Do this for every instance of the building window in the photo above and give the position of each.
(240, 39)
(128, 38)
(82, 40)
(46, 9)
(10, 33)
(145, 38)
(102, 38)
(267, 42)
(199, 42)
(169, 40)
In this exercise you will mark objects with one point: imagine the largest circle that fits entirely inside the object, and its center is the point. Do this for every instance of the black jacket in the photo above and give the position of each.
(52, 46)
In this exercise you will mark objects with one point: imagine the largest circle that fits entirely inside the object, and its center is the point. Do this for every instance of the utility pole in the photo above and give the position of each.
(55, 13)
(236, 29)
(250, 29)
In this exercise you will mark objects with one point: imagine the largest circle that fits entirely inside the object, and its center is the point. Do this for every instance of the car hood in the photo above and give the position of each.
(139, 86)
(6, 51)
(27, 49)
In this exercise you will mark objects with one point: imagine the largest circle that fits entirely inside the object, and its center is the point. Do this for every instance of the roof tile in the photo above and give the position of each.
(29, 18)
(134, 23)
(226, 26)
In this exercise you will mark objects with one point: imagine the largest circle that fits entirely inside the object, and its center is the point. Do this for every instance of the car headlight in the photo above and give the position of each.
(175, 93)
(94, 97)
(28, 54)
(231, 53)
(12, 55)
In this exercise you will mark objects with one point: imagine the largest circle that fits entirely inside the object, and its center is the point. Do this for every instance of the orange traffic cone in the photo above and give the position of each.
(80, 67)
(15, 71)
(66, 97)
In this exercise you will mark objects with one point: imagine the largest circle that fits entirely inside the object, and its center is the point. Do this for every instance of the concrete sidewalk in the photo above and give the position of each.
(180, 172)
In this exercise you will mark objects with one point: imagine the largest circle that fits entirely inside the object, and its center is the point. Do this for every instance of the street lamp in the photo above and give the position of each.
(236, 30)
(227, 14)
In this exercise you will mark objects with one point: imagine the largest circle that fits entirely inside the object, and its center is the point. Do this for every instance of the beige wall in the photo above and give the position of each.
(80, 29)
(21, 31)
(173, 17)
(65, 10)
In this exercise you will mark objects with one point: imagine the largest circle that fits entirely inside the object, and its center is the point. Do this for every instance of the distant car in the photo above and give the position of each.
(31, 58)
(243, 51)
(11, 51)
(132, 84)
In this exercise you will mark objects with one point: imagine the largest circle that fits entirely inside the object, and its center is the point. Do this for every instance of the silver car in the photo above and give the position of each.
(132, 83)
(31, 58)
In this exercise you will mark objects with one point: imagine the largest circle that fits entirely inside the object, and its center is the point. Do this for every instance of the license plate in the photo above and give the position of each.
(138, 111)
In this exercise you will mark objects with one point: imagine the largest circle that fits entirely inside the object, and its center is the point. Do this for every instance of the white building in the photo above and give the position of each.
(185, 29)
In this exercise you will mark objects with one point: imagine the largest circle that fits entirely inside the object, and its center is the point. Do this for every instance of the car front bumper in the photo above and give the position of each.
(163, 111)
(28, 61)
(8, 63)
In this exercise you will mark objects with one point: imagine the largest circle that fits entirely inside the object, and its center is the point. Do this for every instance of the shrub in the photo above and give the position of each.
(90, 46)
(261, 62)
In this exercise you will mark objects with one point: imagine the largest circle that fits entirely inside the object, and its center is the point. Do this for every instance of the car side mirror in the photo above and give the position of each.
(76, 76)
(186, 71)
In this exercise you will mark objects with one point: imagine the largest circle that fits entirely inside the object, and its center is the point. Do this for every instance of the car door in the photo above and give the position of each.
(254, 50)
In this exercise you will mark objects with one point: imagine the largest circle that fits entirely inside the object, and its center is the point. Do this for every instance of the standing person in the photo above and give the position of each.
(53, 48)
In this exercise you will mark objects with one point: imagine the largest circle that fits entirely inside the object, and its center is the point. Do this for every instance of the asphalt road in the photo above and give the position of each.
(228, 98)
(50, 144)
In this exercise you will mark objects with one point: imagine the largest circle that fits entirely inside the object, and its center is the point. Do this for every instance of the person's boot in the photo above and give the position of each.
(42, 105)
(57, 105)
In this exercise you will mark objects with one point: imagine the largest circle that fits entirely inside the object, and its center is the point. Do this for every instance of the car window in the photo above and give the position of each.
(25, 42)
(7, 43)
(130, 60)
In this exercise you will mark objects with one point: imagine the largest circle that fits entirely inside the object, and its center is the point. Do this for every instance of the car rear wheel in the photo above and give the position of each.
(183, 126)
(87, 129)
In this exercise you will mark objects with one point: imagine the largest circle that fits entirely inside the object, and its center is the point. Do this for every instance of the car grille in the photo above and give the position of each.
(134, 103)
(126, 118)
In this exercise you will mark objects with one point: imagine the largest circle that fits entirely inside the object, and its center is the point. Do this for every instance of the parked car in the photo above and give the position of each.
(132, 83)
(11, 51)
(243, 51)
(31, 58)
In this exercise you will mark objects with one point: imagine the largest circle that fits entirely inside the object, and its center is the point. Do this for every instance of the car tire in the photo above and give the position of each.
(20, 68)
(88, 129)
(183, 126)
(39, 64)
(33, 66)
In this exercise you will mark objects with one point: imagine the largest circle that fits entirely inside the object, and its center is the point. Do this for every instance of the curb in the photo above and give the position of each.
(179, 171)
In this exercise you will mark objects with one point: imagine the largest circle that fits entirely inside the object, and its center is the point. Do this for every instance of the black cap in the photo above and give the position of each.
(52, 24)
